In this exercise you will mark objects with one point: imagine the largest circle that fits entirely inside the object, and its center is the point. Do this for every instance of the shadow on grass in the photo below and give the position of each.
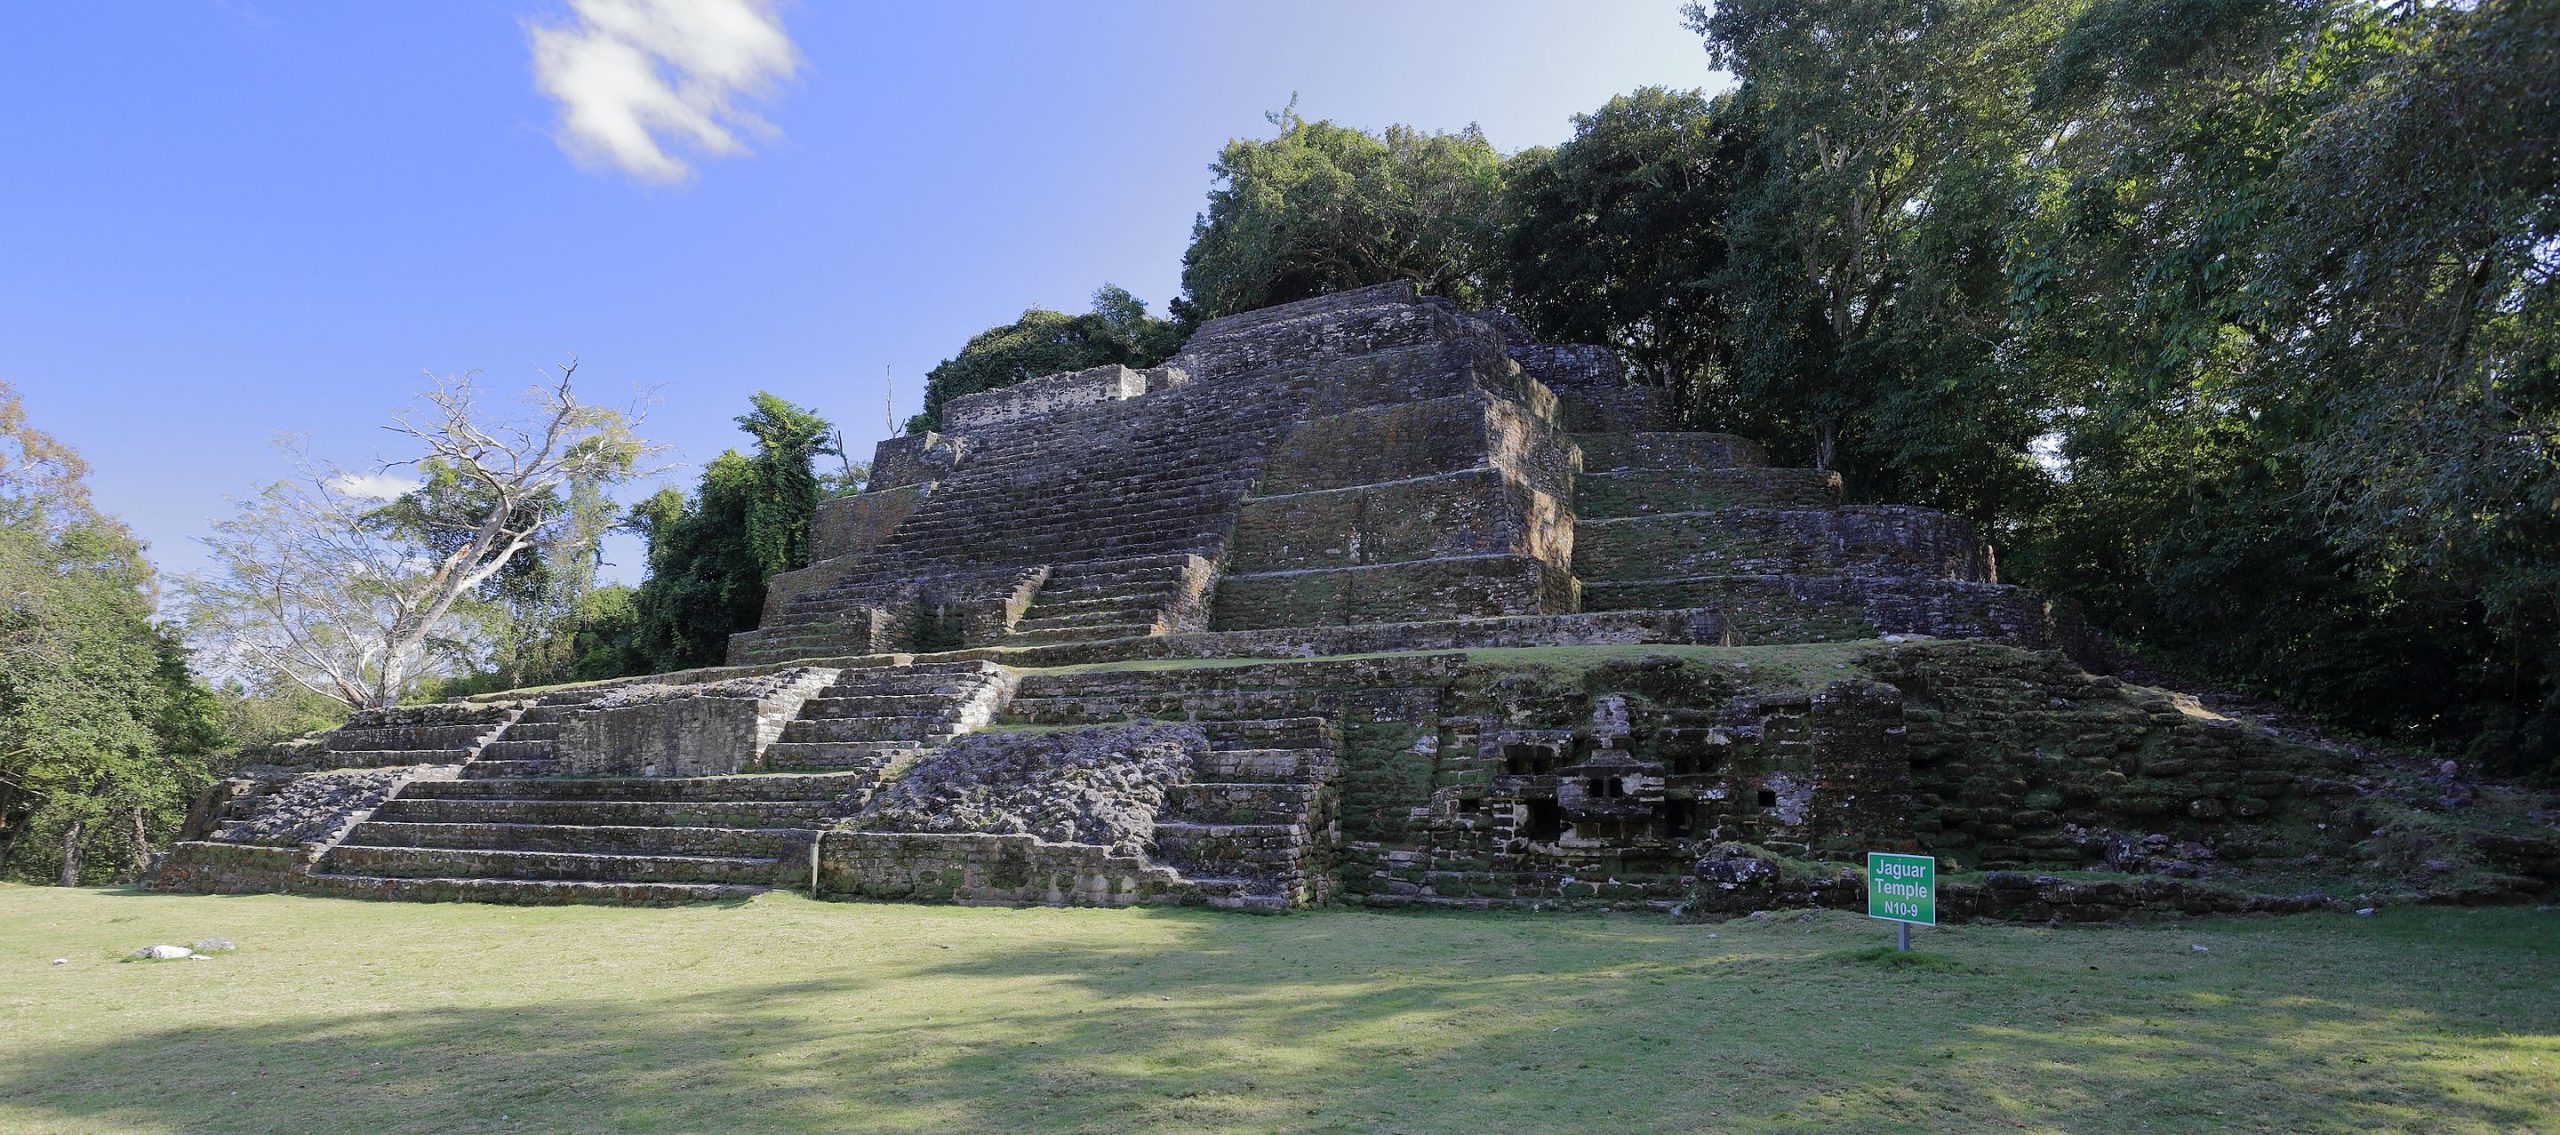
(1352, 1022)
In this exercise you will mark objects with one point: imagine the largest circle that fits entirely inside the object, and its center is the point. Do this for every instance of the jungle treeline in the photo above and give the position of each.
(2231, 320)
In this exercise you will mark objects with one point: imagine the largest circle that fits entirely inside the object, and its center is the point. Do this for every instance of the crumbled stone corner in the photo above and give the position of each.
(315, 807)
(1100, 786)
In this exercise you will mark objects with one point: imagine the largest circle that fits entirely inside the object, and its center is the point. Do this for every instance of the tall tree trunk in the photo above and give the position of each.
(9, 845)
(141, 845)
(71, 852)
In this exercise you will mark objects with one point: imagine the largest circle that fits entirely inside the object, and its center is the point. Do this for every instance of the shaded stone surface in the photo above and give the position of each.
(1100, 786)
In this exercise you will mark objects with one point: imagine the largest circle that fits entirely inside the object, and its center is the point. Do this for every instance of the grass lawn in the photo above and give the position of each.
(782, 1015)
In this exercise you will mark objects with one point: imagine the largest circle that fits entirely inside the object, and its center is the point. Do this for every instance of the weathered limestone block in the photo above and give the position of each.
(1480, 586)
(1046, 395)
(1872, 541)
(851, 526)
(1645, 492)
(1590, 384)
(1603, 452)
(1367, 321)
(208, 868)
(913, 459)
(1769, 609)
(691, 730)
(1102, 785)
(1450, 434)
(1477, 511)
(991, 869)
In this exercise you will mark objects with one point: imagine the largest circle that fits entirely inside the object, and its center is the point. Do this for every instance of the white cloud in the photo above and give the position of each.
(373, 486)
(638, 77)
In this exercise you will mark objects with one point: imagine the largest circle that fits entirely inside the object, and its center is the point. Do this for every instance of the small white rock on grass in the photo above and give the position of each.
(163, 953)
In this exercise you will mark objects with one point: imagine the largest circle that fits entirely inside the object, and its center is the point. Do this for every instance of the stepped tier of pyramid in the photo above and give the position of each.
(1444, 615)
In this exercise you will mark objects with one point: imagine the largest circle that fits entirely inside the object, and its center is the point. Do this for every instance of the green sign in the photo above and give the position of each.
(1902, 888)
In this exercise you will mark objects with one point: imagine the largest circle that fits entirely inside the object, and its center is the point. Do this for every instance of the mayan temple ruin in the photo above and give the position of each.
(1359, 599)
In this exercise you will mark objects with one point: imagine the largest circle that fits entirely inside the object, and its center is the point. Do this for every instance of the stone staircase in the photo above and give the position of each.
(1104, 600)
(1689, 520)
(643, 840)
(875, 718)
(529, 745)
(1256, 829)
(1100, 495)
(448, 734)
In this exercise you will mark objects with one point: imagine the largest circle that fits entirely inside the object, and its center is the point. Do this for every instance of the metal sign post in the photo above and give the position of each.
(1903, 890)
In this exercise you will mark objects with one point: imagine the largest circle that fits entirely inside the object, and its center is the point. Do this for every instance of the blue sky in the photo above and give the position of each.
(230, 220)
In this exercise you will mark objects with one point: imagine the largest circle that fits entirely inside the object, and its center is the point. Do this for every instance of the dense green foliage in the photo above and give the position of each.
(1117, 330)
(1618, 236)
(2295, 264)
(104, 735)
(519, 626)
(2233, 319)
(1322, 207)
(710, 554)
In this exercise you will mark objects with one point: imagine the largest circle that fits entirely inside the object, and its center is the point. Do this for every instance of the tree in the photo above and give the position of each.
(1041, 342)
(1618, 237)
(317, 582)
(789, 439)
(711, 555)
(1322, 208)
(2288, 264)
(1865, 269)
(104, 735)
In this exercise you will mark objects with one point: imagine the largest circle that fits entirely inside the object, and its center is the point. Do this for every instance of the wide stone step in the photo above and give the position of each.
(993, 483)
(1868, 541)
(1118, 615)
(361, 739)
(1106, 571)
(1262, 765)
(971, 551)
(1643, 492)
(832, 704)
(1052, 605)
(820, 756)
(1097, 533)
(1041, 516)
(747, 788)
(767, 843)
(1034, 465)
(637, 813)
(1271, 733)
(522, 892)
(514, 749)
(919, 729)
(1215, 802)
(389, 758)
(486, 769)
(1603, 453)
(1268, 850)
(1102, 632)
(547, 729)
(892, 683)
(476, 863)
(1204, 706)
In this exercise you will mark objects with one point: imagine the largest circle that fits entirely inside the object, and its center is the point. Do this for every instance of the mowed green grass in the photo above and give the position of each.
(782, 1015)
